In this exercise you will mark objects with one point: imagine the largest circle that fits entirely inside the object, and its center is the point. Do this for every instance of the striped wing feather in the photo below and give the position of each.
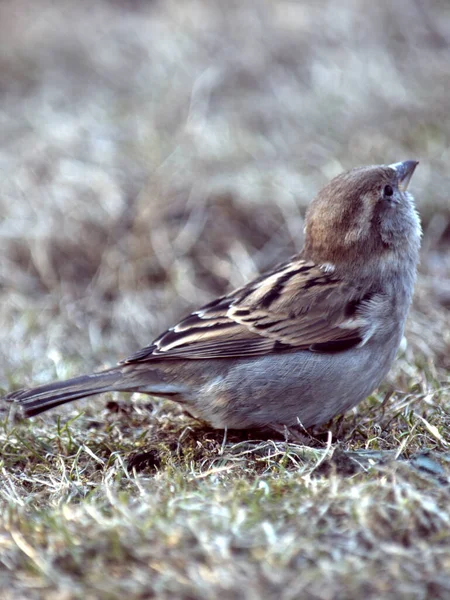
(297, 306)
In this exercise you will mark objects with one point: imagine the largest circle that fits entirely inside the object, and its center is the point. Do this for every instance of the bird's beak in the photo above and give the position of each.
(404, 172)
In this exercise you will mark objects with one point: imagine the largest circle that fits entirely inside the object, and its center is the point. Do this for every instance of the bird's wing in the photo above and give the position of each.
(296, 306)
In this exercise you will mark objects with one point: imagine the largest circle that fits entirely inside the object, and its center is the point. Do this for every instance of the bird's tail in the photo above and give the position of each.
(43, 398)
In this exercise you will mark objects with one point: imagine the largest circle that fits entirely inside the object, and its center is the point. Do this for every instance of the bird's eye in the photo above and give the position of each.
(388, 191)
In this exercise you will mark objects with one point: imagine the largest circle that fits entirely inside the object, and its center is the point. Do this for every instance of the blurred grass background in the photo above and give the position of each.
(156, 154)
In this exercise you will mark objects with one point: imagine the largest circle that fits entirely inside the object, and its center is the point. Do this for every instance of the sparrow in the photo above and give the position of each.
(301, 343)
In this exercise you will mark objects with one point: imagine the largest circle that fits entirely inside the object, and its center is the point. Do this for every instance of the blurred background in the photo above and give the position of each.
(154, 154)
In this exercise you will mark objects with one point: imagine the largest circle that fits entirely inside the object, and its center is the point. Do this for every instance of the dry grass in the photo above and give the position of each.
(154, 155)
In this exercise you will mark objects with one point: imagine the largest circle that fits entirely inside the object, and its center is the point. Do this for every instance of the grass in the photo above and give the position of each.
(154, 155)
(142, 500)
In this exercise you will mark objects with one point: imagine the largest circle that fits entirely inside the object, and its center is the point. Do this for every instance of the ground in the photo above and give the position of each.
(154, 155)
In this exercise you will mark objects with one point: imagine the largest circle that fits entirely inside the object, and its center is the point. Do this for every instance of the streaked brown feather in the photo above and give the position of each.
(285, 309)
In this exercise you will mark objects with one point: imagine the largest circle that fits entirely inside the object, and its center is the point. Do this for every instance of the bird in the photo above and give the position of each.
(303, 342)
